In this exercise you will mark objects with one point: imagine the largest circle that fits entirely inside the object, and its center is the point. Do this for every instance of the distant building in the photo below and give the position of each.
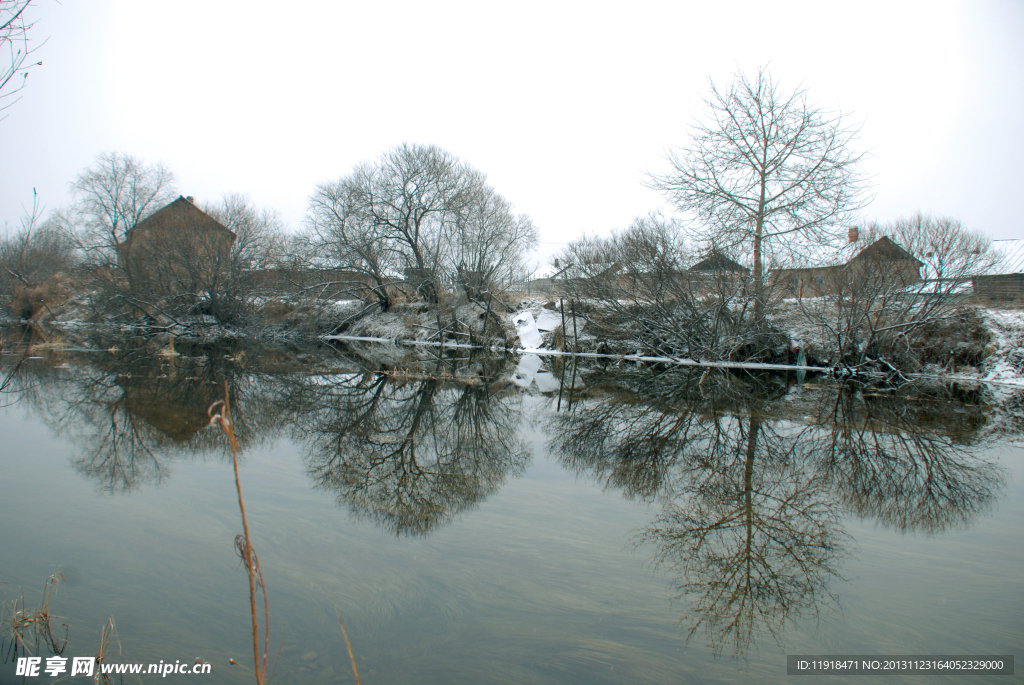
(716, 262)
(177, 249)
(716, 273)
(881, 259)
(1005, 281)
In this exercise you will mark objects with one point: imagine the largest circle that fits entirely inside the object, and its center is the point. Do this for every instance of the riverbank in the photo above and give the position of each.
(978, 343)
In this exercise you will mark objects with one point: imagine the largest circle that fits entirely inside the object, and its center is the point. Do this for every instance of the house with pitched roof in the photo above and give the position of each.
(882, 259)
(718, 263)
(175, 250)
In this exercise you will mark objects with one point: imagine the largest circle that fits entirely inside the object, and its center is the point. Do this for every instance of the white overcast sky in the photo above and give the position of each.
(565, 106)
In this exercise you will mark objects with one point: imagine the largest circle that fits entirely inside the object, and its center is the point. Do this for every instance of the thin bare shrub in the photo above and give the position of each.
(646, 288)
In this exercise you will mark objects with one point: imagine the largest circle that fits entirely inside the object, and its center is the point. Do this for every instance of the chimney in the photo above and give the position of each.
(853, 233)
(193, 201)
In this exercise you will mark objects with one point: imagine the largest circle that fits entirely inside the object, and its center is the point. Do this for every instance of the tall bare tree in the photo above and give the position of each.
(768, 172)
(490, 242)
(417, 215)
(347, 236)
(110, 197)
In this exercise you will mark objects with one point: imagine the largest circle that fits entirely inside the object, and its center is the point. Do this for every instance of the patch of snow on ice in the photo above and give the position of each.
(548, 320)
(526, 327)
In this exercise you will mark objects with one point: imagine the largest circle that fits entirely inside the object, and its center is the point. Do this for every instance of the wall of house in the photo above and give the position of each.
(999, 288)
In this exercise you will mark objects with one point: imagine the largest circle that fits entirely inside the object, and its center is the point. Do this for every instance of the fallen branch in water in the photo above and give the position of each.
(347, 645)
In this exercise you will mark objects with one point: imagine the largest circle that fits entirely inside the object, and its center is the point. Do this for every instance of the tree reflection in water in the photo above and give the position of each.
(753, 482)
(408, 451)
(132, 411)
(411, 453)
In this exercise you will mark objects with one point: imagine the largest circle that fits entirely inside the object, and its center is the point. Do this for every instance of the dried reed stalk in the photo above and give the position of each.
(242, 543)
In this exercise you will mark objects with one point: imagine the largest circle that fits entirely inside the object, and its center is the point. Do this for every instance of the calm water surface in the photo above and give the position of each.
(504, 521)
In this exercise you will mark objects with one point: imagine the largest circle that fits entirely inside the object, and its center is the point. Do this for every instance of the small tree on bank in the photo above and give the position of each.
(768, 174)
(34, 258)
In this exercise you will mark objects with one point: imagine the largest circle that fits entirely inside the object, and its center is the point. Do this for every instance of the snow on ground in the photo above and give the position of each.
(546, 381)
(1005, 363)
(545, 320)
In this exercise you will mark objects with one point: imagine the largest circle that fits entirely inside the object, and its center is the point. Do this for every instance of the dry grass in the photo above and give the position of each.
(109, 631)
(32, 629)
(220, 414)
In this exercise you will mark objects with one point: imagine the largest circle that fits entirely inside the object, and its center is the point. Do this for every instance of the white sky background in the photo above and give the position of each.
(564, 105)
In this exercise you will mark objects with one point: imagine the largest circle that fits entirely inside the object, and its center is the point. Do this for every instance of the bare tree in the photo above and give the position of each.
(259, 245)
(15, 49)
(768, 173)
(950, 253)
(110, 197)
(417, 216)
(259, 231)
(348, 237)
(490, 242)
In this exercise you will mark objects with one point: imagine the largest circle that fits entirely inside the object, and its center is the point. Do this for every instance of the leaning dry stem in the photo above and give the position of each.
(242, 543)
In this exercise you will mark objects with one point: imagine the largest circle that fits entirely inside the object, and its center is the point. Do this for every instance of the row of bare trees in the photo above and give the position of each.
(650, 286)
(85, 251)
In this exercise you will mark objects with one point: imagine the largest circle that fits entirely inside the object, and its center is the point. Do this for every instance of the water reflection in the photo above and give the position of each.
(133, 411)
(411, 453)
(408, 447)
(753, 481)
